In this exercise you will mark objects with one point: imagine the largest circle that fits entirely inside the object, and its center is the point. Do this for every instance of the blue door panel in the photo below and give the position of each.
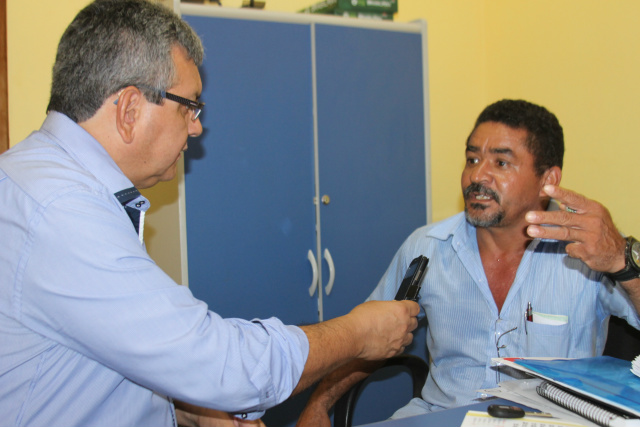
(372, 158)
(249, 178)
(372, 166)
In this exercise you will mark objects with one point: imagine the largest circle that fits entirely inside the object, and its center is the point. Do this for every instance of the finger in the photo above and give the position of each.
(559, 218)
(414, 324)
(568, 234)
(569, 201)
(414, 307)
(408, 340)
(574, 250)
(567, 208)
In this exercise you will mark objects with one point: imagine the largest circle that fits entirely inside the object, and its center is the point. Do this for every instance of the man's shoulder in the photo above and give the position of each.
(433, 236)
(43, 170)
(441, 230)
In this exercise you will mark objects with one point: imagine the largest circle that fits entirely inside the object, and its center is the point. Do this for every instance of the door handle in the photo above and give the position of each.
(332, 271)
(314, 269)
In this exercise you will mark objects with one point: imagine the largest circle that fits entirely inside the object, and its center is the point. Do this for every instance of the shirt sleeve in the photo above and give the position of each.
(86, 282)
(614, 300)
(390, 282)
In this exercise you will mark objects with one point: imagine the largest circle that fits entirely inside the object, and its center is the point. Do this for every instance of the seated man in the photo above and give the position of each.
(489, 263)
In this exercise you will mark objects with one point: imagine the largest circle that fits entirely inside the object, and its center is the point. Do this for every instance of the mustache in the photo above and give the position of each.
(481, 190)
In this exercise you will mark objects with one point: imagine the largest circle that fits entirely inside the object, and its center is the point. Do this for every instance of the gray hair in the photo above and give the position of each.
(112, 44)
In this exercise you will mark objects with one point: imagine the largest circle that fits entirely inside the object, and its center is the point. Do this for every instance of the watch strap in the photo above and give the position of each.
(629, 271)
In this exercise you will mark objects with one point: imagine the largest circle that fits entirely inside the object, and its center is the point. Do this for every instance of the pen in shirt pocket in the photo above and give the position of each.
(547, 319)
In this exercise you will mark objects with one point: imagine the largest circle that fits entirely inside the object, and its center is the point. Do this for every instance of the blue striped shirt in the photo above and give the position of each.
(464, 327)
(92, 331)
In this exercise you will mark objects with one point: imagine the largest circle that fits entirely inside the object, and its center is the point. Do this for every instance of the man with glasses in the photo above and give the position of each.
(515, 275)
(92, 332)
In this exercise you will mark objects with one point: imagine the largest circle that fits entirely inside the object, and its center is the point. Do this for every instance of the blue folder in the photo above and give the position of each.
(605, 379)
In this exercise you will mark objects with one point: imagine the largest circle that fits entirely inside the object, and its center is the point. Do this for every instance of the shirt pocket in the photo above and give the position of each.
(547, 340)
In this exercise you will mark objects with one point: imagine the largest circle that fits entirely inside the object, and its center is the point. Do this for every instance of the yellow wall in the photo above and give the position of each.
(579, 59)
(33, 32)
(457, 87)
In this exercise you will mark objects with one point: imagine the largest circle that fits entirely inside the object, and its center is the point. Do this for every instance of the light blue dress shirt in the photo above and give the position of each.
(464, 327)
(92, 331)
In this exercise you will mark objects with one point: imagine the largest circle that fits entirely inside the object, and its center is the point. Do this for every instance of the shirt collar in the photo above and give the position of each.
(460, 228)
(86, 150)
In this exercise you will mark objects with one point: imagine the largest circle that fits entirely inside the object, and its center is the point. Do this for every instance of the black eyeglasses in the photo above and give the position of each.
(193, 106)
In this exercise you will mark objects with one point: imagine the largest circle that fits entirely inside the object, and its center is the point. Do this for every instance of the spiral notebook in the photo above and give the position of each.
(601, 389)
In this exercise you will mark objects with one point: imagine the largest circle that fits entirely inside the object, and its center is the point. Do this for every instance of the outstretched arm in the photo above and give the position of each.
(331, 388)
(589, 227)
(194, 416)
(374, 330)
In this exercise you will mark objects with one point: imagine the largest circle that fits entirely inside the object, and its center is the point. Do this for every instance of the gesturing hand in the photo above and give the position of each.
(585, 223)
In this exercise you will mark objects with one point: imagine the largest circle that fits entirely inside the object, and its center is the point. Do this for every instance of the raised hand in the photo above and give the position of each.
(585, 223)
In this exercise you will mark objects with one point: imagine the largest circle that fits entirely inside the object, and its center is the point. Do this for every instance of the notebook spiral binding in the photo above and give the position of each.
(589, 410)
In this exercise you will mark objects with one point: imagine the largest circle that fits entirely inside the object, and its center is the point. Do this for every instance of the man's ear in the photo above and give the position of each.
(552, 176)
(129, 104)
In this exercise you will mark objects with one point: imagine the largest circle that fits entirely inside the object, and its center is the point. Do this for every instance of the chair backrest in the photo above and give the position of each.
(623, 340)
(345, 406)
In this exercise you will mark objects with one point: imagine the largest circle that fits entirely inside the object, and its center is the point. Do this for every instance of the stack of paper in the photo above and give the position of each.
(482, 419)
(635, 366)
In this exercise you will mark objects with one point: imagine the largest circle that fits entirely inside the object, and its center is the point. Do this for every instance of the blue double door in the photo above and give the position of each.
(272, 151)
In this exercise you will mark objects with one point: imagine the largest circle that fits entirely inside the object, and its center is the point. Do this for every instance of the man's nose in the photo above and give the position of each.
(481, 172)
(195, 127)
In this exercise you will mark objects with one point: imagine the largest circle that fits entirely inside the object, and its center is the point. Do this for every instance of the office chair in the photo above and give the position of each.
(344, 407)
(623, 341)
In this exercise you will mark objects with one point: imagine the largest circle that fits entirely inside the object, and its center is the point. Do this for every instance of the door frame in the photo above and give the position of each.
(4, 93)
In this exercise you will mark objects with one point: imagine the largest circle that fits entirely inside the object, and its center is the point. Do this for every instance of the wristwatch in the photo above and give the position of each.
(631, 268)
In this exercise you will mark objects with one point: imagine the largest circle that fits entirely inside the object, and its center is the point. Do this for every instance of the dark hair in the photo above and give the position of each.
(545, 138)
(112, 44)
